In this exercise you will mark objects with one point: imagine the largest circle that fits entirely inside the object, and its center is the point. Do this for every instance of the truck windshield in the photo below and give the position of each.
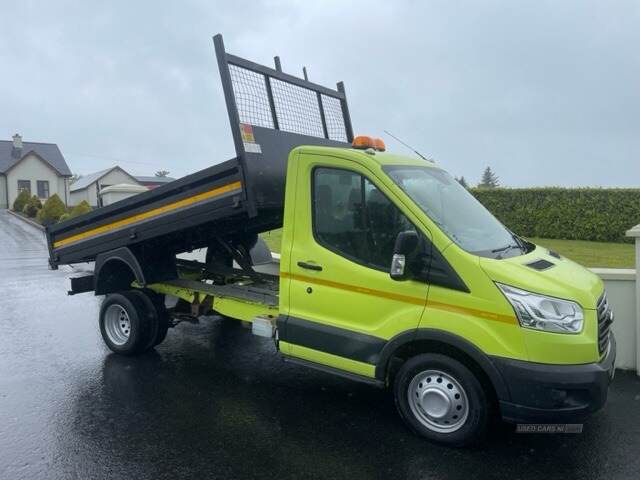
(458, 214)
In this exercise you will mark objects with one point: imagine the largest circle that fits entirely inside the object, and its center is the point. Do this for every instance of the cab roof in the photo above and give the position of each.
(381, 158)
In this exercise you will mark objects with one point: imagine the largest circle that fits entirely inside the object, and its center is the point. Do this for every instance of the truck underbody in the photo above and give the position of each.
(229, 292)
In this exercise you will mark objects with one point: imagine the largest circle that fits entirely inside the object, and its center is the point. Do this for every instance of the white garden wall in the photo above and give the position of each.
(621, 292)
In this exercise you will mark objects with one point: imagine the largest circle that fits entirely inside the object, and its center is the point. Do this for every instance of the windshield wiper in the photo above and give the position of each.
(505, 249)
(519, 241)
(519, 244)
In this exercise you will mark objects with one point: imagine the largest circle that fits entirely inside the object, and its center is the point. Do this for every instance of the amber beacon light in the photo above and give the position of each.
(363, 142)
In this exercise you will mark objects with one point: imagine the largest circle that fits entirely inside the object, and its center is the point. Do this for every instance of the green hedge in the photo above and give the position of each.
(598, 214)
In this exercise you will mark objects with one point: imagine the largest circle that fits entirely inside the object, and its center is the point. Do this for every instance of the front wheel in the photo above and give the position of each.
(441, 400)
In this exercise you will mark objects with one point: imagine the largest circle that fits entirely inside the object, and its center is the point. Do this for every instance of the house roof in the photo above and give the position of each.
(154, 179)
(48, 152)
(86, 180)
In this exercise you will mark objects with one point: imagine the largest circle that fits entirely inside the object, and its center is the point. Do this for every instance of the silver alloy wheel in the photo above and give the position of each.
(117, 324)
(438, 401)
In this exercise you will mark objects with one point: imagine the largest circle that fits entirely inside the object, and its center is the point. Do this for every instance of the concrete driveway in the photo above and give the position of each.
(215, 402)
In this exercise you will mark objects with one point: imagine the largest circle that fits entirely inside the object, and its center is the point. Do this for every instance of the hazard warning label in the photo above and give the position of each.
(247, 133)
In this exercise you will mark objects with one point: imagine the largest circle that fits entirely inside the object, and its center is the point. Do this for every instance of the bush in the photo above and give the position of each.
(36, 201)
(597, 214)
(20, 201)
(52, 210)
(64, 217)
(80, 209)
(32, 207)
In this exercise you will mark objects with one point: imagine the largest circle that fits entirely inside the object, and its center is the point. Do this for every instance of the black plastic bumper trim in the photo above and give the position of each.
(335, 371)
(325, 338)
(546, 393)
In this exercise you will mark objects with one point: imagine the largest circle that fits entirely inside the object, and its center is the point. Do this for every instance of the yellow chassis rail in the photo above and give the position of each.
(232, 307)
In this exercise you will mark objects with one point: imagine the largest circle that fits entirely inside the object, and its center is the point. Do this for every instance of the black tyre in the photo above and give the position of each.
(163, 318)
(442, 400)
(124, 323)
(158, 316)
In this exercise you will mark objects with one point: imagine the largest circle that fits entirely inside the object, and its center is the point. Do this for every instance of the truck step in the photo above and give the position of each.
(262, 326)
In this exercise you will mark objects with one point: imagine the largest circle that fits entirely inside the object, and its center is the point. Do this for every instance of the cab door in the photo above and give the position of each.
(343, 306)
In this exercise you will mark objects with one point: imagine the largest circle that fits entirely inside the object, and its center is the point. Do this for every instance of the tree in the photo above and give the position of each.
(162, 173)
(463, 182)
(80, 209)
(489, 179)
(21, 200)
(52, 210)
(32, 207)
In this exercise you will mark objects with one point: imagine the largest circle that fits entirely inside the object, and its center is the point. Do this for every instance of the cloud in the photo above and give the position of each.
(544, 92)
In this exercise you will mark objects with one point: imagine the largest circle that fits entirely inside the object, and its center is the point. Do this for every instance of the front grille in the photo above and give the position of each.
(605, 319)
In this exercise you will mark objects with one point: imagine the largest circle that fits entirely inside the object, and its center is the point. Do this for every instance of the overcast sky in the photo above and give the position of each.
(545, 92)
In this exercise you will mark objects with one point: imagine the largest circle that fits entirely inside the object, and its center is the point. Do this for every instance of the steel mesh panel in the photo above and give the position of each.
(334, 118)
(250, 91)
(297, 109)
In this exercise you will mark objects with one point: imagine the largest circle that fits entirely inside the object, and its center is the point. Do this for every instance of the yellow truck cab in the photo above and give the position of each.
(390, 272)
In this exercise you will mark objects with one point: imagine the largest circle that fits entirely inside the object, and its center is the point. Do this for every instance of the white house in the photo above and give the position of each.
(38, 168)
(88, 188)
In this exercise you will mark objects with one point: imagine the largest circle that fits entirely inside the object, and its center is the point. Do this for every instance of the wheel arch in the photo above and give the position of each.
(116, 270)
(428, 340)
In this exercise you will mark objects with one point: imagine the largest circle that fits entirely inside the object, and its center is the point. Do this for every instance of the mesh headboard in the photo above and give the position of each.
(271, 113)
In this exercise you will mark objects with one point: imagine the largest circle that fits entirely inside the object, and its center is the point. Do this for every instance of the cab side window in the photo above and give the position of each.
(353, 218)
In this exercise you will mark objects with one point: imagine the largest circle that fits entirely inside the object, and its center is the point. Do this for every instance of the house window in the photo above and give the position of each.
(24, 185)
(43, 188)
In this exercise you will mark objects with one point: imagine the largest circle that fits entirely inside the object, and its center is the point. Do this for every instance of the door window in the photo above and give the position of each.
(353, 218)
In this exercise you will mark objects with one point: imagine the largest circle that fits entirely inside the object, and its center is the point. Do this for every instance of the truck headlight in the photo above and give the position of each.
(544, 313)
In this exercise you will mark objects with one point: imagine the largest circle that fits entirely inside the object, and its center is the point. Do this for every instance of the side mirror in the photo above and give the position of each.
(406, 244)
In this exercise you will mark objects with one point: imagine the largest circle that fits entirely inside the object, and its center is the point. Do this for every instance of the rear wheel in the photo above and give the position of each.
(124, 323)
(158, 316)
(441, 400)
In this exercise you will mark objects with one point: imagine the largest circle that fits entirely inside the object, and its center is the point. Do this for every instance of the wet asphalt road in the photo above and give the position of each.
(215, 402)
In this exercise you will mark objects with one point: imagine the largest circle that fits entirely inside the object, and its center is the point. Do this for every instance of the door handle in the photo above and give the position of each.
(310, 266)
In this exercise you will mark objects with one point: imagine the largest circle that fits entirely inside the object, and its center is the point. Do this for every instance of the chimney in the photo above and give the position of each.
(17, 142)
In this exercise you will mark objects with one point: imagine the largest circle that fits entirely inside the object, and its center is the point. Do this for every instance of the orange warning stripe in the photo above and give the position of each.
(403, 298)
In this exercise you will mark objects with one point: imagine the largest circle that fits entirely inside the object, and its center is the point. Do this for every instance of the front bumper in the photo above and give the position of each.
(540, 393)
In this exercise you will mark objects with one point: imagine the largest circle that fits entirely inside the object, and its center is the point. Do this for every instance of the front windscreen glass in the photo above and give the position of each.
(460, 216)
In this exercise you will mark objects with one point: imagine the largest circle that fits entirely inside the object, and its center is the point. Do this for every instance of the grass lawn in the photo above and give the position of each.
(589, 254)
(592, 254)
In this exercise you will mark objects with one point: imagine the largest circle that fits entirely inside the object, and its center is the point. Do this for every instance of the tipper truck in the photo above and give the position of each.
(390, 273)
